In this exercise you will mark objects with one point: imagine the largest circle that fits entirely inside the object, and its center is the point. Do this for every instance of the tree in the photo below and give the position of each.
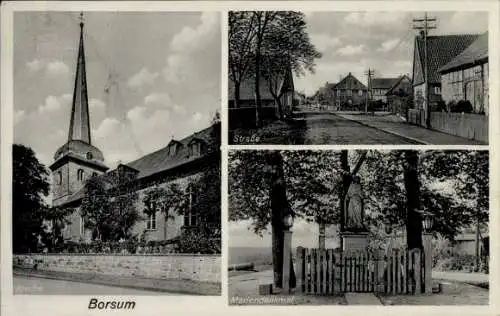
(286, 47)
(396, 184)
(29, 187)
(108, 207)
(55, 220)
(263, 18)
(241, 34)
(267, 185)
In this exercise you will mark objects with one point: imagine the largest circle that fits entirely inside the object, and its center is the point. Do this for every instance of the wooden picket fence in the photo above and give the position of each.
(329, 272)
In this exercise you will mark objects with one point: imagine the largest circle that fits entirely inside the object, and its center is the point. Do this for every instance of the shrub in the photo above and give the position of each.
(441, 106)
(462, 106)
(451, 107)
(195, 241)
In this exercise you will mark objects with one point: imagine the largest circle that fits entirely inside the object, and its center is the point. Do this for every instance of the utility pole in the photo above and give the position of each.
(369, 73)
(424, 24)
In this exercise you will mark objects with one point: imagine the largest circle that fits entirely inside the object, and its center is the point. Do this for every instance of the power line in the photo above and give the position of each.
(369, 73)
(425, 24)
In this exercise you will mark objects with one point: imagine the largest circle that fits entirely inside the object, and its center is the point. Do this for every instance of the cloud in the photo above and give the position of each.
(57, 68)
(19, 116)
(324, 41)
(161, 99)
(189, 38)
(186, 64)
(350, 50)
(107, 127)
(34, 65)
(96, 104)
(53, 103)
(178, 68)
(463, 22)
(374, 18)
(388, 45)
(142, 78)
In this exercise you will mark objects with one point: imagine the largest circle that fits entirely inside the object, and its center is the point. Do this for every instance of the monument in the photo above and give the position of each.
(354, 234)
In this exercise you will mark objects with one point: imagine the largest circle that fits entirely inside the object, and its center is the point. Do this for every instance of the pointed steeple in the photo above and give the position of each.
(79, 127)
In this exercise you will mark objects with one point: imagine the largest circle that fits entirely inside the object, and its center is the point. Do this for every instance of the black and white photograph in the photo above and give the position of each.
(358, 78)
(116, 154)
(358, 227)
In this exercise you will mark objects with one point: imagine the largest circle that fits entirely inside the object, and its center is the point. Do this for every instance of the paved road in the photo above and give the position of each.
(23, 285)
(333, 129)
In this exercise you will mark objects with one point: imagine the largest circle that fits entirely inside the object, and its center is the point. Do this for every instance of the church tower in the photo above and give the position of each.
(77, 159)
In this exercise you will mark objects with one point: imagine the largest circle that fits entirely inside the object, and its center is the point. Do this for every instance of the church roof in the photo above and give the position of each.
(163, 159)
(79, 127)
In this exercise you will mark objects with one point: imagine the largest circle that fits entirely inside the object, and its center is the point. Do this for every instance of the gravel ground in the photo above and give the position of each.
(453, 294)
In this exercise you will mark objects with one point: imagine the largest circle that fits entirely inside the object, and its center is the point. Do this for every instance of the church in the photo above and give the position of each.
(180, 162)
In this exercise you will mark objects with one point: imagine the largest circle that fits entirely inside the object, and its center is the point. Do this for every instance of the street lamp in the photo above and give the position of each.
(427, 224)
(427, 221)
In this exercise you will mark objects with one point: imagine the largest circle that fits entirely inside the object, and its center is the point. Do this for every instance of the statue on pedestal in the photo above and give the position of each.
(354, 208)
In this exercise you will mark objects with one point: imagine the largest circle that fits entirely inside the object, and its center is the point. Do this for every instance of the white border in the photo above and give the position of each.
(177, 305)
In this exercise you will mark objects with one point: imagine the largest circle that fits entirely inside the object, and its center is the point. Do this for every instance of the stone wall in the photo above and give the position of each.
(204, 268)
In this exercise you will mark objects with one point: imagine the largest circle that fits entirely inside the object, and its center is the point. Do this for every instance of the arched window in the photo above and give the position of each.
(151, 221)
(80, 175)
(59, 177)
(82, 226)
(190, 216)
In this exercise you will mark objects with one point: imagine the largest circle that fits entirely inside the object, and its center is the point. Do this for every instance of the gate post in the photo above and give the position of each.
(379, 274)
(428, 263)
(287, 248)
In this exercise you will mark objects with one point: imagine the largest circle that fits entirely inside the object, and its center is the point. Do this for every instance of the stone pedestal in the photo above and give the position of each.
(354, 241)
(287, 248)
(428, 263)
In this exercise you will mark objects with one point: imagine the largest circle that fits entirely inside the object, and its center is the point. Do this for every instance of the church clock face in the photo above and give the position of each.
(89, 155)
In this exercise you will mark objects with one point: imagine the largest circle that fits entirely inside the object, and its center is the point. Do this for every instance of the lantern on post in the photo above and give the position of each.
(427, 224)
(427, 221)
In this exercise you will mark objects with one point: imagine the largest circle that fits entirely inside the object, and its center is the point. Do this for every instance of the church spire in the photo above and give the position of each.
(79, 127)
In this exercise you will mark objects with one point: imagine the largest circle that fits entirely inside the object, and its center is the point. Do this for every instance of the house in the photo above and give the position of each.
(380, 86)
(400, 96)
(465, 77)
(77, 160)
(242, 113)
(350, 93)
(441, 49)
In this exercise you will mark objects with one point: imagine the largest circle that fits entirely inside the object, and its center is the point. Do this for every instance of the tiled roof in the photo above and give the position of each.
(383, 83)
(476, 52)
(350, 82)
(162, 160)
(397, 83)
(441, 50)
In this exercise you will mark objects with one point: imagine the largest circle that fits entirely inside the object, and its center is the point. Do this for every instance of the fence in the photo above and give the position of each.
(467, 125)
(329, 272)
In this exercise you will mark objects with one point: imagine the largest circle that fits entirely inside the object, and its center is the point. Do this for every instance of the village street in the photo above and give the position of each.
(355, 128)
(41, 286)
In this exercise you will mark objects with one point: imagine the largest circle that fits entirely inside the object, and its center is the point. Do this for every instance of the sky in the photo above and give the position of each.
(383, 41)
(151, 77)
